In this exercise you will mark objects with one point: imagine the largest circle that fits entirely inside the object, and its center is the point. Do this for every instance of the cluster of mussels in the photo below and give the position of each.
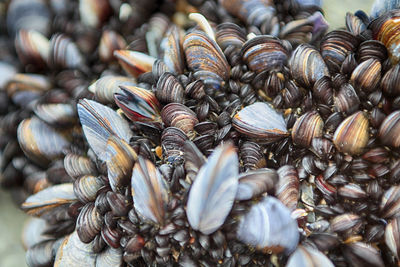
(242, 134)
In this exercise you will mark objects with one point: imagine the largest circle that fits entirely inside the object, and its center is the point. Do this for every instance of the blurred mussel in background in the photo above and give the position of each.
(202, 133)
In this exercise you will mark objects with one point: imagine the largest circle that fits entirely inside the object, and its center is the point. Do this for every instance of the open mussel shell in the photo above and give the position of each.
(203, 54)
(109, 42)
(58, 114)
(216, 185)
(335, 46)
(287, 188)
(268, 226)
(352, 134)
(179, 116)
(32, 48)
(94, 12)
(390, 129)
(173, 55)
(256, 182)
(120, 160)
(172, 143)
(29, 15)
(367, 75)
(48, 199)
(305, 256)
(99, 122)
(64, 53)
(88, 223)
(86, 187)
(385, 29)
(40, 142)
(134, 63)
(392, 236)
(169, 89)
(76, 165)
(138, 104)
(264, 53)
(150, 191)
(25, 88)
(105, 87)
(308, 126)
(260, 121)
(73, 252)
(307, 65)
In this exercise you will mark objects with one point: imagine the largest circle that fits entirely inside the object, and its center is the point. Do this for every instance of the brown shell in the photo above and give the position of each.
(390, 129)
(367, 75)
(307, 127)
(179, 116)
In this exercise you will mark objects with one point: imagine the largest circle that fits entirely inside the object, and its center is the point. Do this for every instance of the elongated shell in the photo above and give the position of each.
(287, 189)
(120, 160)
(260, 121)
(307, 65)
(49, 198)
(98, 123)
(307, 127)
(390, 129)
(305, 256)
(392, 236)
(204, 55)
(268, 226)
(40, 142)
(150, 191)
(73, 252)
(138, 104)
(173, 52)
(105, 87)
(352, 134)
(134, 63)
(216, 186)
(255, 183)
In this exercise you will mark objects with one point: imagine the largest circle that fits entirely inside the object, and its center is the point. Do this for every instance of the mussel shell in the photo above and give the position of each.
(390, 203)
(138, 104)
(179, 116)
(134, 63)
(48, 199)
(216, 185)
(110, 257)
(205, 58)
(287, 189)
(42, 254)
(105, 87)
(389, 130)
(391, 81)
(346, 100)
(260, 121)
(109, 42)
(229, 33)
(32, 48)
(150, 191)
(363, 254)
(76, 165)
(57, 114)
(367, 75)
(264, 53)
(392, 236)
(256, 182)
(172, 143)
(86, 187)
(308, 126)
(307, 66)
(94, 12)
(88, 223)
(34, 232)
(64, 53)
(169, 89)
(74, 252)
(120, 160)
(173, 55)
(305, 256)
(99, 122)
(352, 134)
(269, 226)
(41, 142)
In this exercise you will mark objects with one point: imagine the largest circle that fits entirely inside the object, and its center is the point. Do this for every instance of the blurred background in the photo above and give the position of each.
(12, 219)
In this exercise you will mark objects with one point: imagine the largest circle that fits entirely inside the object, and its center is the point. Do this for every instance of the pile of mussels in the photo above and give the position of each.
(201, 132)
